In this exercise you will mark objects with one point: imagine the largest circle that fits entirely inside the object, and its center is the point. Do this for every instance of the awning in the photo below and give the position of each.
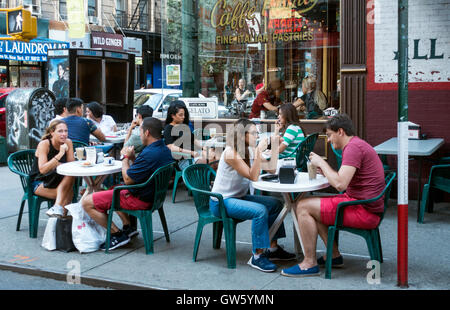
(35, 50)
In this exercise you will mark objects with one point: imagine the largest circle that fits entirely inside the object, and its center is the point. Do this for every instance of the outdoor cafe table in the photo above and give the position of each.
(417, 149)
(302, 185)
(116, 140)
(93, 176)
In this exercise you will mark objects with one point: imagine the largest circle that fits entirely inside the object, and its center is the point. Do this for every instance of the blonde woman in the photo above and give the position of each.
(240, 163)
(313, 101)
(55, 148)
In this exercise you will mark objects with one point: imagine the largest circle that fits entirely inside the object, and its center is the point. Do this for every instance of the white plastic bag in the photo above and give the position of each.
(49, 239)
(87, 235)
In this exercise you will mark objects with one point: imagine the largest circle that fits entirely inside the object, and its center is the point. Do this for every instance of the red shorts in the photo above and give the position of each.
(103, 201)
(354, 216)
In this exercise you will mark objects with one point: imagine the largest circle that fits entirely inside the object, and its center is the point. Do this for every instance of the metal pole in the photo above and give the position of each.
(402, 132)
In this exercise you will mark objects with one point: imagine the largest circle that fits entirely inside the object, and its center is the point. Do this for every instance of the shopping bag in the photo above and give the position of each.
(87, 235)
(64, 234)
(49, 239)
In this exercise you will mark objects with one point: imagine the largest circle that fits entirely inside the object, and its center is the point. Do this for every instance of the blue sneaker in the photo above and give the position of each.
(262, 263)
(296, 272)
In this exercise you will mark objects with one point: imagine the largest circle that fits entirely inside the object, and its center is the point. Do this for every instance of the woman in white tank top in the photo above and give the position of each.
(235, 172)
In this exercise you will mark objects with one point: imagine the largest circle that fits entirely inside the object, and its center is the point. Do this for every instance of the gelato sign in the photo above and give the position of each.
(27, 51)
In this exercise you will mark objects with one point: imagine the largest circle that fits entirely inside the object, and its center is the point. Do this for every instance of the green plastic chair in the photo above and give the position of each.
(372, 236)
(338, 154)
(78, 144)
(160, 180)
(305, 147)
(21, 163)
(178, 174)
(439, 179)
(198, 179)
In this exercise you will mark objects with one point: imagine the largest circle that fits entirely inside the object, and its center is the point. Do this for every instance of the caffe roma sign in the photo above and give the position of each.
(235, 14)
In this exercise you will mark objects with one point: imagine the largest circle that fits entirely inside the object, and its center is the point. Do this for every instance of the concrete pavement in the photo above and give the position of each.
(171, 266)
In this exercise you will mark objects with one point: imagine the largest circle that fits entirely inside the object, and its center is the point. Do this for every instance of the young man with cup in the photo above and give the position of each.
(132, 138)
(361, 176)
(135, 170)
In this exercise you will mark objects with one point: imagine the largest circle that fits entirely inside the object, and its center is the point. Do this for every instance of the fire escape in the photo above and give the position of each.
(139, 15)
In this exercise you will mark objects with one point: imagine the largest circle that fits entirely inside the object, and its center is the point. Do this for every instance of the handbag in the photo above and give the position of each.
(87, 235)
(49, 239)
(64, 234)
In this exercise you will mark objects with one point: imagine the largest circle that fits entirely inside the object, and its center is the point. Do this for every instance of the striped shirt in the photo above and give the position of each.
(291, 138)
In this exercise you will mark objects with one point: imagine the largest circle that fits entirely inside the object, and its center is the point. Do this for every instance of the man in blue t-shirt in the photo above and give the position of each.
(79, 127)
(135, 170)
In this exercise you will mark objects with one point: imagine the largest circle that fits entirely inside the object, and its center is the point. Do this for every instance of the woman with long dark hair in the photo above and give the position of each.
(289, 126)
(179, 137)
(106, 123)
(55, 148)
(240, 163)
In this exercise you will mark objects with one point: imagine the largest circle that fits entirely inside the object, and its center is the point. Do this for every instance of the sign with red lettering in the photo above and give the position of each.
(105, 40)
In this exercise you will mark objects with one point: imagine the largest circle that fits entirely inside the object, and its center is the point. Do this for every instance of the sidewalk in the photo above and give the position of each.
(171, 265)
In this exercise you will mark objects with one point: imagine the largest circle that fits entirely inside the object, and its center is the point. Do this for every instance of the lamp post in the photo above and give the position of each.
(402, 133)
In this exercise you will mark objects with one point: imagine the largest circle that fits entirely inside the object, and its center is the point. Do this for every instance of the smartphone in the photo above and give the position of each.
(270, 178)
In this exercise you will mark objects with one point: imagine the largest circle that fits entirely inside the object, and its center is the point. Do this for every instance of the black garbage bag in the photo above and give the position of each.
(63, 234)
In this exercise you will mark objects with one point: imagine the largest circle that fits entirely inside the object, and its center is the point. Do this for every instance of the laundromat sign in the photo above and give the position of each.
(27, 51)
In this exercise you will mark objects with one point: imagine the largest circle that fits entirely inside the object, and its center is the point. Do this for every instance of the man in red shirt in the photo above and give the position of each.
(267, 100)
(361, 176)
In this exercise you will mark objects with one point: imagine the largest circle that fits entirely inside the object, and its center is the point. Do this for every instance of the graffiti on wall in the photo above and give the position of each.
(41, 112)
(29, 112)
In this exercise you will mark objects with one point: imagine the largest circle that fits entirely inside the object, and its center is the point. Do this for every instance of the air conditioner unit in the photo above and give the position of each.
(34, 9)
(93, 20)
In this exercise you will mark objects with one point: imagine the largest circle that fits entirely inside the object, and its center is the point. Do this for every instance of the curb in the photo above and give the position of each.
(90, 281)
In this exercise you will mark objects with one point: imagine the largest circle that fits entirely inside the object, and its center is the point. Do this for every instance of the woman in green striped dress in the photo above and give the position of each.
(289, 126)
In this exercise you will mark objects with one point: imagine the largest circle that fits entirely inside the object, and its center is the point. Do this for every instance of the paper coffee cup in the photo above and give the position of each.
(312, 170)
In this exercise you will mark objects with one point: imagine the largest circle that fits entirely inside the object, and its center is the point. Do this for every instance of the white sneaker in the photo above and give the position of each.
(55, 211)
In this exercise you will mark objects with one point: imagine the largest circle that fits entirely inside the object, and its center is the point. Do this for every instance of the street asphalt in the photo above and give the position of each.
(171, 266)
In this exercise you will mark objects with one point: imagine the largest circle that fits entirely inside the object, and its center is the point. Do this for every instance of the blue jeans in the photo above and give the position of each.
(262, 210)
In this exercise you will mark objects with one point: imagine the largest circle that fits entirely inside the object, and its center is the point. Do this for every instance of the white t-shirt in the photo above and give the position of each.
(106, 125)
(56, 117)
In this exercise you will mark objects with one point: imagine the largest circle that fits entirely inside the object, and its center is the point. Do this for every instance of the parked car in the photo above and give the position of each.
(160, 99)
(4, 92)
(157, 98)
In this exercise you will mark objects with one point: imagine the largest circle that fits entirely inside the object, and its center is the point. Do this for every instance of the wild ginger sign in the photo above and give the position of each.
(284, 21)
(106, 40)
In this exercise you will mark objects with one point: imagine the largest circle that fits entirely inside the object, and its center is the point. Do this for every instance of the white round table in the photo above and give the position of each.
(115, 139)
(99, 171)
(302, 185)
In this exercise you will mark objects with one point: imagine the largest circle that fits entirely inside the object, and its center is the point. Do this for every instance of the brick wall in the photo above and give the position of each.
(429, 75)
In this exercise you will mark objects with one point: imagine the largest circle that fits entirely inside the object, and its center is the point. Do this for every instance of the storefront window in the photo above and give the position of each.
(3, 76)
(14, 76)
(260, 41)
